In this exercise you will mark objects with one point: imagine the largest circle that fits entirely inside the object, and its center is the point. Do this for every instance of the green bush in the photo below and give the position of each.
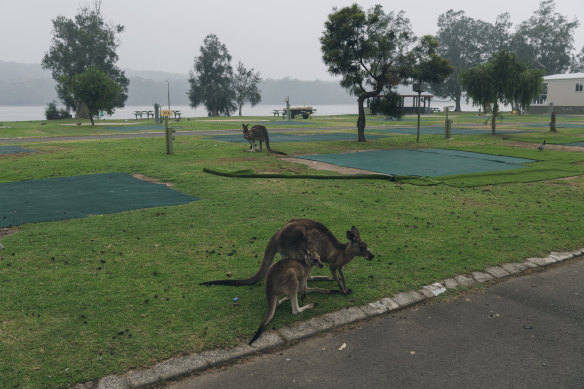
(52, 113)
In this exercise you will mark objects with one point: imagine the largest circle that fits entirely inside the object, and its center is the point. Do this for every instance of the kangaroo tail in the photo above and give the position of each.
(272, 304)
(270, 150)
(269, 255)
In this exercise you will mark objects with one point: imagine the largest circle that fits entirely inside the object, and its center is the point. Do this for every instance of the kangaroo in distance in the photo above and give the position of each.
(299, 234)
(287, 276)
(260, 133)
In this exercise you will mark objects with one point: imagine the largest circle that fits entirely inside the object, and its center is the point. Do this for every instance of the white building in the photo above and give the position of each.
(565, 92)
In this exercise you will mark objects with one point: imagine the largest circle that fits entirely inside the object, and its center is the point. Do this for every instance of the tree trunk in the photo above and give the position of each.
(91, 118)
(240, 109)
(494, 118)
(361, 120)
(457, 100)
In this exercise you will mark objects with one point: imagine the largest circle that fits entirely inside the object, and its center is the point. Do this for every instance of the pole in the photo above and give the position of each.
(418, 133)
(168, 92)
(168, 132)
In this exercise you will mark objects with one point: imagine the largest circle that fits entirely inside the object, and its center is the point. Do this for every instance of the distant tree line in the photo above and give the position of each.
(372, 51)
(545, 41)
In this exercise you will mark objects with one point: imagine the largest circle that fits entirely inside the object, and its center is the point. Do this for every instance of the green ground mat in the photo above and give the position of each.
(277, 137)
(558, 125)
(581, 144)
(14, 150)
(435, 130)
(423, 162)
(77, 197)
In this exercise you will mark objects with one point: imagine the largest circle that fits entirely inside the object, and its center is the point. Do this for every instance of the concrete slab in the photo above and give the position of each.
(497, 272)
(374, 308)
(561, 256)
(112, 382)
(304, 329)
(464, 280)
(451, 283)
(408, 298)
(514, 267)
(344, 316)
(481, 277)
(542, 261)
(390, 304)
(435, 289)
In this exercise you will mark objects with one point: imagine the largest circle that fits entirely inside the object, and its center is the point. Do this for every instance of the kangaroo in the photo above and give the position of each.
(287, 276)
(300, 234)
(260, 133)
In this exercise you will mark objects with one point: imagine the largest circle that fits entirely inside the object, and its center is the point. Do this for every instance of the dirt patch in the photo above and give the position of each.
(152, 180)
(528, 145)
(328, 166)
(7, 231)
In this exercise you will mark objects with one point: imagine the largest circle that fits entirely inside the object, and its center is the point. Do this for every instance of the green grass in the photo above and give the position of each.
(87, 298)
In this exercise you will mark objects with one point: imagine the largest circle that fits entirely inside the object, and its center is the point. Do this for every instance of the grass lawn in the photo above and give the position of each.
(86, 298)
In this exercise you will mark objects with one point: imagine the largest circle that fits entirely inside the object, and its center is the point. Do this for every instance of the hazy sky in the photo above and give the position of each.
(277, 38)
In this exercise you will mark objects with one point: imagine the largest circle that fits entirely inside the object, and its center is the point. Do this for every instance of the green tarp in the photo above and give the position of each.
(31, 201)
(422, 162)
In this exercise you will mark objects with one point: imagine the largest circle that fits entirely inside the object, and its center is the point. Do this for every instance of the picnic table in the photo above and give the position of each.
(147, 113)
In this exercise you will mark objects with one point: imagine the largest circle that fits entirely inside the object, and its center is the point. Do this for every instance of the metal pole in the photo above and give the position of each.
(418, 133)
(168, 91)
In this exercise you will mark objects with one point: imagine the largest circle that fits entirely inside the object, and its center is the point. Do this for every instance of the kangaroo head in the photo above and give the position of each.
(245, 127)
(311, 258)
(358, 247)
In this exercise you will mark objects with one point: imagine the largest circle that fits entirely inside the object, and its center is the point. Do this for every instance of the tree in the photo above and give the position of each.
(79, 44)
(368, 50)
(426, 66)
(501, 79)
(546, 39)
(95, 89)
(466, 42)
(246, 87)
(578, 62)
(211, 80)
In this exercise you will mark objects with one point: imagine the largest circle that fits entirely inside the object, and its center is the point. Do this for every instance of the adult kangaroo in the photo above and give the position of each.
(260, 133)
(298, 235)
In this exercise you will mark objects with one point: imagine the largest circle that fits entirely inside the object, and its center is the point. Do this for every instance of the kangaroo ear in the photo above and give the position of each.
(350, 236)
(355, 232)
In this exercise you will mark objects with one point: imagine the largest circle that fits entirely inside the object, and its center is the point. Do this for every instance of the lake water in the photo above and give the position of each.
(37, 112)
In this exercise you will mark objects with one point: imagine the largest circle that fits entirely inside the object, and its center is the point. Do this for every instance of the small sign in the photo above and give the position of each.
(166, 112)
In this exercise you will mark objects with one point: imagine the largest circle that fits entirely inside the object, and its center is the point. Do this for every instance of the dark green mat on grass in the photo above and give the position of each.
(14, 150)
(422, 162)
(277, 137)
(77, 197)
(435, 130)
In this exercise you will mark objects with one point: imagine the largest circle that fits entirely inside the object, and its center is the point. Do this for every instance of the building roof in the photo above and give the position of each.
(408, 91)
(568, 76)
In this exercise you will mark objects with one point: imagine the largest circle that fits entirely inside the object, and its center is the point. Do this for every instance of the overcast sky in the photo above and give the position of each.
(277, 38)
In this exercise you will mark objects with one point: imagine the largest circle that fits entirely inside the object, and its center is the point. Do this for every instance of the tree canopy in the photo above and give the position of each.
(466, 42)
(80, 43)
(95, 89)
(546, 39)
(502, 79)
(245, 84)
(368, 50)
(211, 80)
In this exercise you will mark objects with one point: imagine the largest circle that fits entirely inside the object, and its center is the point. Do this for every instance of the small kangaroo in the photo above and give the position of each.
(287, 276)
(260, 133)
(300, 234)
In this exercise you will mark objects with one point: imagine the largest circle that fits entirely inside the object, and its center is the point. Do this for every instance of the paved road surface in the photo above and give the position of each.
(526, 332)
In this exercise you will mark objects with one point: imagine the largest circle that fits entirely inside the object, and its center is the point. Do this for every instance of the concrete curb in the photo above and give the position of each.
(179, 367)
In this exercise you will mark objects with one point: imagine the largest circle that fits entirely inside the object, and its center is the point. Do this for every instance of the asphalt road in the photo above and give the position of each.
(525, 332)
